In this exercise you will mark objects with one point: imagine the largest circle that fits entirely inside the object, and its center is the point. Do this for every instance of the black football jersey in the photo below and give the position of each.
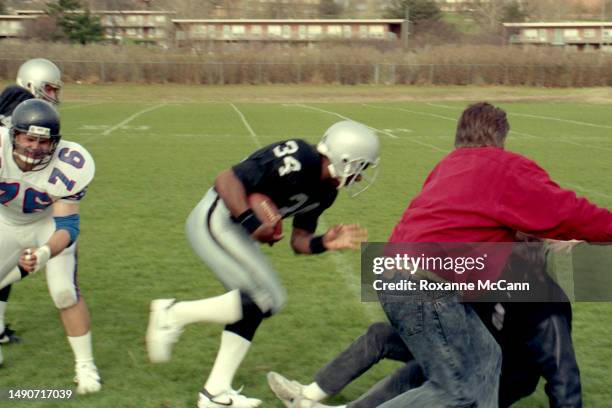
(12, 96)
(289, 172)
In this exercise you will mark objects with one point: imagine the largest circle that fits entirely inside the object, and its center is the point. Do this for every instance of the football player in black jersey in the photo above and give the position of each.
(302, 180)
(36, 78)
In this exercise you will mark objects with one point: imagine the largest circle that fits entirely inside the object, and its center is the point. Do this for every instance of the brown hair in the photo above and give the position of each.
(482, 124)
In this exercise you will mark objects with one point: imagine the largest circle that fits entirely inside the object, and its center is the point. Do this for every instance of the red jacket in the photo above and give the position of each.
(488, 194)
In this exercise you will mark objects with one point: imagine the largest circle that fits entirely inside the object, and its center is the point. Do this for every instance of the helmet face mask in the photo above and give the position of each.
(35, 134)
(32, 149)
(42, 78)
(353, 153)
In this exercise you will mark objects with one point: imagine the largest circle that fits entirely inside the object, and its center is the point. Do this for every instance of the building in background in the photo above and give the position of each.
(578, 34)
(136, 26)
(12, 26)
(190, 32)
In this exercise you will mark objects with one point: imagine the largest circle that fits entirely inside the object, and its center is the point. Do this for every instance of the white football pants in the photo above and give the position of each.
(61, 269)
(232, 254)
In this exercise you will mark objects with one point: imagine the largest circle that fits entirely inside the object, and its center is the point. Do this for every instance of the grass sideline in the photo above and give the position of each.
(157, 151)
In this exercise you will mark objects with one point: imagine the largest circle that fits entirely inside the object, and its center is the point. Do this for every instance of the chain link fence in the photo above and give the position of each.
(219, 73)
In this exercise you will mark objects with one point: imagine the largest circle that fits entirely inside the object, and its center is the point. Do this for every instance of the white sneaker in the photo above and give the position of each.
(229, 398)
(162, 332)
(286, 390)
(87, 378)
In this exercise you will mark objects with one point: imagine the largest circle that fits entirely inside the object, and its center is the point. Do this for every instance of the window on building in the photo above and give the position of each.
(238, 30)
(334, 30)
(314, 31)
(347, 31)
(199, 31)
(135, 19)
(543, 34)
(286, 31)
(363, 31)
(607, 33)
(256, 30)
(274, 30)
(212, 31)
(376, 31)
(530, 34)
(588, 32)
(227, 31)
(160, 19)
(131, 32)
(570, 33)
(302, 31)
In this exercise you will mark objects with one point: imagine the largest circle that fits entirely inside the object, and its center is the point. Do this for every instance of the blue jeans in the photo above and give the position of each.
(459, 357)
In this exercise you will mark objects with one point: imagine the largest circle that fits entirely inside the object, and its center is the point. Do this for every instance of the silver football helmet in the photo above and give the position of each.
(352, 148)
(42, 78)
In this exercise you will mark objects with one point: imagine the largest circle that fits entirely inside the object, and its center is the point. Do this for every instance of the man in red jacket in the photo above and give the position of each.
(478, 193)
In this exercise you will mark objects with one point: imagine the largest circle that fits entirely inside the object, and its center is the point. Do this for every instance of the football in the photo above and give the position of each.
(265, 209)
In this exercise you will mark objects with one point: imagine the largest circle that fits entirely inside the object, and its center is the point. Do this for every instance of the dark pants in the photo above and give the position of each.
(458, 355)
(542, 351)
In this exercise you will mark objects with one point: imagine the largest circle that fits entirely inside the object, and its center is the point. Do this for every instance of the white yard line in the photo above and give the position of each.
(571, 185)
(529, 135)
(527, 115)
(340, 264)
(246, 124)
(131, 118)
(384, 132)
(83, 105)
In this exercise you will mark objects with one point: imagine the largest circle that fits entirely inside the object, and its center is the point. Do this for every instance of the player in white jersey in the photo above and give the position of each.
(41, 79)
(42, 181)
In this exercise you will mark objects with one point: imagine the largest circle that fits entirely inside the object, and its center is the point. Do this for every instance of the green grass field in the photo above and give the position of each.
(157, 150)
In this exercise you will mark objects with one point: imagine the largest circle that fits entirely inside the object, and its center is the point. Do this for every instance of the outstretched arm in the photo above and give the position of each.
(338, 237)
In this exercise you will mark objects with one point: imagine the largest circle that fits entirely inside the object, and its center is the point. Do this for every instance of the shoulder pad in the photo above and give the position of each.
(71, 169)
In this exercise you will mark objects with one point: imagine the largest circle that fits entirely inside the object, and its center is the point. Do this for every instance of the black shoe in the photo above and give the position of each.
(8, 336)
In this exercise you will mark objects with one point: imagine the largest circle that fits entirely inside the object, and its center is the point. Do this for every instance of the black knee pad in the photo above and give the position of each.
(251, 318)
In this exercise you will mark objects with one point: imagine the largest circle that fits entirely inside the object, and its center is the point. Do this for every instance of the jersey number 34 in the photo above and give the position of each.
(290, 163)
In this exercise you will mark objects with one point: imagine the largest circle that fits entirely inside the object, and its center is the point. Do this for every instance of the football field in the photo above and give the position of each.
(156, 155)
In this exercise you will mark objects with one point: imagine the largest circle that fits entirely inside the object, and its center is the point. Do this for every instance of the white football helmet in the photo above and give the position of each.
(351, 149)
(42, 78)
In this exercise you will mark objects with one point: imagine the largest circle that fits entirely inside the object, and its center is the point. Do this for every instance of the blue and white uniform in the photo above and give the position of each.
(26, 214)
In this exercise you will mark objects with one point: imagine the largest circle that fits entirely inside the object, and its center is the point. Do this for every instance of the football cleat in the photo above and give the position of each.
(8, 336)
(231, 398)
(162, 332)
(87, 378)
(286, 390)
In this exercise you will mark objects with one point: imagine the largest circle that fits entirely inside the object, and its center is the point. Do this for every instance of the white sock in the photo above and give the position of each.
(232, 351)
(2, 312)
(225, 309)
(314, 392)
(13, 276)
(81, 347)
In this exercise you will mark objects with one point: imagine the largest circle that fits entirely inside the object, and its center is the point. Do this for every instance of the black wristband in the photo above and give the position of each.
(248, 220)
(316, 245)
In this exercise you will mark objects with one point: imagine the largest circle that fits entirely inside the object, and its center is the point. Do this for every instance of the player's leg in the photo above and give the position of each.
(552, 349)
(10, 249)
(7, 334)
(245, 268)
(64, 290)
(380, 341)
(255, 292)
